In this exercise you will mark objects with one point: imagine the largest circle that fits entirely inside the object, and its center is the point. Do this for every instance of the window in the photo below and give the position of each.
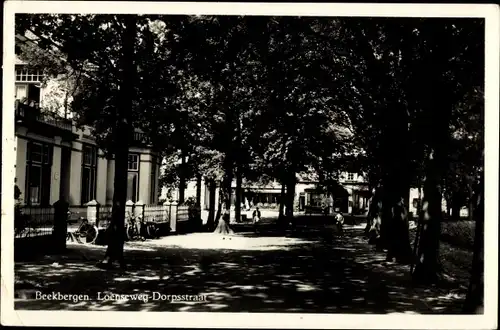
(133, 164)
(28, 93)
(152, 197)
(25, 75)
(89, 173)
(38, 173)
(350, 176)
(133, 178)
(21, 92)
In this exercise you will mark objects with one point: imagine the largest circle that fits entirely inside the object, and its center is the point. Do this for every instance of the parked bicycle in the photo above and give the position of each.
(152, 229)
(86, 233)
(135, 228)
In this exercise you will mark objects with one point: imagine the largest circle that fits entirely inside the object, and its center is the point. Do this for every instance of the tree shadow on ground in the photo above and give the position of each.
(310, 271)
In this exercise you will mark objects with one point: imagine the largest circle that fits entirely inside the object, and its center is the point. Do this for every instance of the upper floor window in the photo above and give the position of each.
(28, 93)
(133, 162)
(28, 75)
(350, 176)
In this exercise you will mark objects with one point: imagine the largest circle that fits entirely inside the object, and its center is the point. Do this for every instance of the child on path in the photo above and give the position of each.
(339, 220)
(256, 218)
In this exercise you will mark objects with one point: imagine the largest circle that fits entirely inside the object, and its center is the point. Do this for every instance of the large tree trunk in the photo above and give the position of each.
(471, 199)
(227, 189)
(474, 302)
(369, 217)
(122, 137)
(220, 205)
(198, 190)
(385, 219)
(212, 187)
(455, 206)
(395, 227)
(427, 269)
(182, 178)
(374, 217)
(237, 208)
(223, 223)
(290, 196)
(395, 235)
(282, 202)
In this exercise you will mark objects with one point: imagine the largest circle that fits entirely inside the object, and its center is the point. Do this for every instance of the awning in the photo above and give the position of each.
(261, 190)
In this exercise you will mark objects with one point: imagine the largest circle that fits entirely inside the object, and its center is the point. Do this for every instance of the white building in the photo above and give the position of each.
(352, 196)
(55, 160)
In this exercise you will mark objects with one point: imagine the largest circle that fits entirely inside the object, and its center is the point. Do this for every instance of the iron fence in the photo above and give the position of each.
(155, 213)
(31, 221)
(182, 213)
(104, 216)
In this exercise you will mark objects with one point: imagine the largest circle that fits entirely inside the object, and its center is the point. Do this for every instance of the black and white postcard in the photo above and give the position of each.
(260, 165)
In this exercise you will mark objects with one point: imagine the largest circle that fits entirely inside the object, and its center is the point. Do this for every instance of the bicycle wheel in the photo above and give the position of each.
(91, 234)
(142, 229)
(131, 231)
(151, 230)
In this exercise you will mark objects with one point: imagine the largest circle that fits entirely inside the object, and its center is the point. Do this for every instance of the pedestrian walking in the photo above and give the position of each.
(339, 220)
(256, 216)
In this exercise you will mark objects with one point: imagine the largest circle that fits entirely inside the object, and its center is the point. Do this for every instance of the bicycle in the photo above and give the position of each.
(152, 229)
(86, 231)
(134, 229)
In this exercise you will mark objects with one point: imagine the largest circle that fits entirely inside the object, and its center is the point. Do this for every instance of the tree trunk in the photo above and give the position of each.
(385, 219)
(427, 269)
(182, 178)
(223, 227)
(369, 217)
(223, 222)
(211, 204)
(228, 180)
(220, 204)
(474, 302)
(374, 217)
(290, 196)
(471, 201)
(198, 190)
(122, 137)
(239, 179)
(225, 201)
(400, 246)
(448, 208)
(282, 202)
(455, 207)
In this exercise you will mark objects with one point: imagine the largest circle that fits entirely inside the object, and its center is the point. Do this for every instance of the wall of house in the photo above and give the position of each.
(66, 169)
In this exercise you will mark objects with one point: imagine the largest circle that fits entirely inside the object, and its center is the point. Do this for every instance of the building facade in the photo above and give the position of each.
(55, 160)
(352, 196)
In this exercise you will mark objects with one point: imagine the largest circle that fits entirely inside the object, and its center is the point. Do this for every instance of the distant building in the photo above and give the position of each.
(351, 197)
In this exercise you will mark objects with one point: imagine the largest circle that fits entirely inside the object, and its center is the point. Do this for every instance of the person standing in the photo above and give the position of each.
(256, 217)
(339, 220)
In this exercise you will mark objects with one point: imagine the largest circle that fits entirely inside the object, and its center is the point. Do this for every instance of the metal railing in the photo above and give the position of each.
(27, 112)
(156, 213)
(104, 216)
(31, 221)
(182, 213)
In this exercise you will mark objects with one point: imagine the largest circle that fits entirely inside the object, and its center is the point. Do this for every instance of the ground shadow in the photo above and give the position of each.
(307, 271)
